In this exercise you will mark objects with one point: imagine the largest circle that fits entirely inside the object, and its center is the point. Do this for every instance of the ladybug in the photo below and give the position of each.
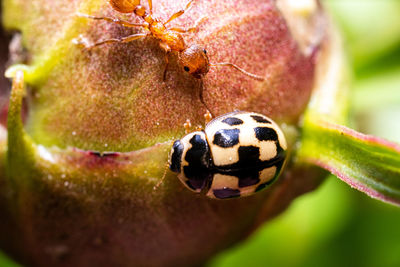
(236, 155)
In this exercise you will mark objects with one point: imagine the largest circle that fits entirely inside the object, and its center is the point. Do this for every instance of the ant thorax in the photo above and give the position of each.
(157, 29)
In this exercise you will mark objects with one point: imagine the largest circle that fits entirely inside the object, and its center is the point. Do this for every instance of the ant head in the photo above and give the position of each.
(124, 6)
(194, 60)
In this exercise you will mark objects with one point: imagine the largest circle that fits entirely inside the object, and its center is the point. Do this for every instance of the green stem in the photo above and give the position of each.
(367, 163)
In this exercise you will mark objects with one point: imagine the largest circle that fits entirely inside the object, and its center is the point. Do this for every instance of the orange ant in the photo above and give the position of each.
(192, 58)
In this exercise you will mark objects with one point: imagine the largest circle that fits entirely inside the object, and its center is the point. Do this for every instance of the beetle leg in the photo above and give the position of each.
(207, 117)
(187, 125)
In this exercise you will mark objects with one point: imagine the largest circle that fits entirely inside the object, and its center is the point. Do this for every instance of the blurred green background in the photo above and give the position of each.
(336, 225)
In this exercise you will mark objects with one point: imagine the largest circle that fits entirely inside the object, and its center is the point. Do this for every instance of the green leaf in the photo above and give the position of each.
(7, 262)
(367, 163)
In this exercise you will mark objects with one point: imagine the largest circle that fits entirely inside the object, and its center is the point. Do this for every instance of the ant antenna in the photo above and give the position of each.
(201, 89)
(227, 64)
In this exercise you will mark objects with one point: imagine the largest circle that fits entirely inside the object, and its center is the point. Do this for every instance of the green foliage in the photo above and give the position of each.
(297, 232)
(323, 228)
(364, 232)
(371, 28)
(7, 262)
(376, 102)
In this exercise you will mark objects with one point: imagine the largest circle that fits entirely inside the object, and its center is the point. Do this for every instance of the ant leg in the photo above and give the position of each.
(112, 20)
(191, 29)
(167, 49)
(150, 6)
(227, 64)
(166, 66)
(126, 39)
(179, 13)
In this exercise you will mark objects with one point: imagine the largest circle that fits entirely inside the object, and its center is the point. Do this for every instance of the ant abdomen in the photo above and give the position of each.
(124, 6)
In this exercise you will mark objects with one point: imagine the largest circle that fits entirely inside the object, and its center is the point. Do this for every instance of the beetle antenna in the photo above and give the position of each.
(162, 178)
(167, 164)
(228, 64)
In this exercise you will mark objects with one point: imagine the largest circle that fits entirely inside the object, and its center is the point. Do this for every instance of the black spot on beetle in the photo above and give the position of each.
(176, 156)
(197, 177)
(265, 134)
(260, 119)
(226, 137)
(186, 68)
(198, 158)
(232, 121)
(196, 184)
(248, 178)
(226, 193)
(278, 166)
(198, 154)
(248, 156)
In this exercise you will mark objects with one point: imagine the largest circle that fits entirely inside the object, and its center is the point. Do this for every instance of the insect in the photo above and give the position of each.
(193, 58)
(236, 155)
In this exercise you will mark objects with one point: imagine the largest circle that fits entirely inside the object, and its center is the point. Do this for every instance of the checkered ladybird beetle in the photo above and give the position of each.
(236, 155)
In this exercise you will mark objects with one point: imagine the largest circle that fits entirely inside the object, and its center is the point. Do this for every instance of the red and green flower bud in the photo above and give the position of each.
(85, 181)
